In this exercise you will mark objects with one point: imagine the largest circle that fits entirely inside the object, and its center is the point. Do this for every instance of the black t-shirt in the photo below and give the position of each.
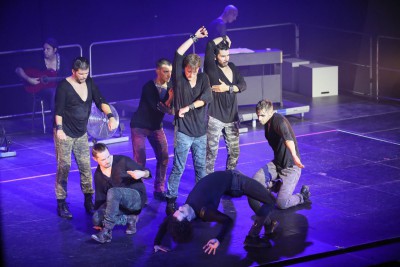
(147, 115)
(277, 131)
(217, 28)
(74, 111)
(224, 106)
(119, 178)
(194, 122)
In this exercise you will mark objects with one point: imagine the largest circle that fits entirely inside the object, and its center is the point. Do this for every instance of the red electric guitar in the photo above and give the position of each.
(48, 79)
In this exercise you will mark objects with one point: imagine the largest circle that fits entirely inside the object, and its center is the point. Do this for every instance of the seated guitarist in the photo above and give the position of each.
(40, 78)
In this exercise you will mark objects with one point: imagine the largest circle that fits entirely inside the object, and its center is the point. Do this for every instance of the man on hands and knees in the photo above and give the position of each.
(203, 202)
(192, 93)
(283, 172)
(120, 192)
(74, 97)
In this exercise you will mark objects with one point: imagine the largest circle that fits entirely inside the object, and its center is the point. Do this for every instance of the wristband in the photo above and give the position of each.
(191, 106)
(109, 115)
(230, 89)
(59, 127)
(194, 38)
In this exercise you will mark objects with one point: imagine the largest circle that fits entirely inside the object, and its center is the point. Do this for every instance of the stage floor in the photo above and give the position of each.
(350, 147)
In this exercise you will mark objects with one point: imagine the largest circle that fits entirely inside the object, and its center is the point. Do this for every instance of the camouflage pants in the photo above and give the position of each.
(230, 132)
(80, 148)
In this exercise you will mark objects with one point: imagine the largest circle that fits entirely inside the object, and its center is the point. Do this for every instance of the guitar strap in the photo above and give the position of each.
(58, 62)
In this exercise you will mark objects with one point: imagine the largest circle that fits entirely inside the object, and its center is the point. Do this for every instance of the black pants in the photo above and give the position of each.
(243, 185)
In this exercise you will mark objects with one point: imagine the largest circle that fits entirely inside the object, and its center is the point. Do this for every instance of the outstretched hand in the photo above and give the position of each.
(160, 248)
(211, 246)
(136, 174)
(298, 162)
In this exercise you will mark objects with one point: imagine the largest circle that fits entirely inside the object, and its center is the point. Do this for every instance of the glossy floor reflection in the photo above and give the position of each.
(349, 145)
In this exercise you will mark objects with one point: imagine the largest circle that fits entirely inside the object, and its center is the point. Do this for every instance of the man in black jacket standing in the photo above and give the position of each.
(192, 93)
(146, 122)
(226, 82)
(74, 97)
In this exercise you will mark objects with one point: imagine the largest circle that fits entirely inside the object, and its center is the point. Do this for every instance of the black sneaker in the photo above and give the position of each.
(270, 229)
(256, 242)
(104, 236)
(305, 192)
(160, 196)
(131, 224)
(88, 204)
(63, 209)
(171, 206)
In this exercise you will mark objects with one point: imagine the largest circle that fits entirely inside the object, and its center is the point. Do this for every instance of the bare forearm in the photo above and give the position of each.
(194, 105)
(200, 33)
(105, 108)
(21, 73)
(58, 120)
(185, 46)
(217, 40)
(296, 159)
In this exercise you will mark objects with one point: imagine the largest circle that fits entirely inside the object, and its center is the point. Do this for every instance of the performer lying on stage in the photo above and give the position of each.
(203, 202)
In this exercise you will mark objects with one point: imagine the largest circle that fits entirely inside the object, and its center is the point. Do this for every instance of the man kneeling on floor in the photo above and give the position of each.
(120, 193)
(203, 202)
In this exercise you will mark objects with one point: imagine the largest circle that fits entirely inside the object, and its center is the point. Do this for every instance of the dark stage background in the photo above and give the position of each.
(25, 24)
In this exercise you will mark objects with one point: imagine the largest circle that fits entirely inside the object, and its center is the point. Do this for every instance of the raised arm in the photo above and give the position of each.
(201, 33)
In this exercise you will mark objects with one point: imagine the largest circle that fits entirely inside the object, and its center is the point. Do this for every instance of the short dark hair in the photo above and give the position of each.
(265, 104)
(163, 61)
(80, 63)
(52, 42)
(98, 148)
(224, 45)
(180, 231)
(193, 60)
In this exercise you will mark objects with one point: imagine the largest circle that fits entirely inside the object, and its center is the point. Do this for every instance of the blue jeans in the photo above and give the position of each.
(120, 200)
(98, 216)
(182, 144)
